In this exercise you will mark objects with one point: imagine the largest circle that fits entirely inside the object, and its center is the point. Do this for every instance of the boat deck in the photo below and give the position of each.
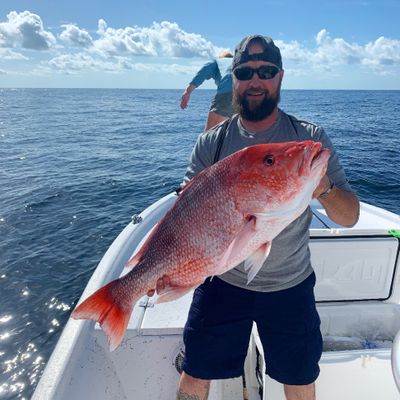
(143, 367)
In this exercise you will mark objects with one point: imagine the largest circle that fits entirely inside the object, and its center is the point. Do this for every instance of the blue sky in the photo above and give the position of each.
(342, 44)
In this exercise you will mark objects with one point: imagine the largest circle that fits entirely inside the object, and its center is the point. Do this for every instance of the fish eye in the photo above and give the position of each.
(269, 160)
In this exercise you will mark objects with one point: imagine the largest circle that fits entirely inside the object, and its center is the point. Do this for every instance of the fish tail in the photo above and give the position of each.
(110, 312)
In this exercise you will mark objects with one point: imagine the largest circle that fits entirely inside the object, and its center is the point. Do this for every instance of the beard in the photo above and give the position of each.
(258, 111)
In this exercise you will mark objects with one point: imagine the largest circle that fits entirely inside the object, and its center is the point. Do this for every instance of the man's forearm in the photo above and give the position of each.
(342, 207)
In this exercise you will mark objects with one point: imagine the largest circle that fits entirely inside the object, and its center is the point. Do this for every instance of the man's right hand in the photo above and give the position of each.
(162, 283)
(186, 96)
(185, 100)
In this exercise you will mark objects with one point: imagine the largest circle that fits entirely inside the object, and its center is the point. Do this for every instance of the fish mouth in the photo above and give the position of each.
(320, 160)
(315, 158)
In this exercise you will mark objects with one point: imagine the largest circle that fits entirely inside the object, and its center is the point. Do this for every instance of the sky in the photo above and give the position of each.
(335, 44)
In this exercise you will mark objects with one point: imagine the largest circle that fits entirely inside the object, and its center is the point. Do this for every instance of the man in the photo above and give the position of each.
(221, 104)
(280, 299)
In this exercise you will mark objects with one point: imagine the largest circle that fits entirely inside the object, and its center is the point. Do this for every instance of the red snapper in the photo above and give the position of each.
(227, 214)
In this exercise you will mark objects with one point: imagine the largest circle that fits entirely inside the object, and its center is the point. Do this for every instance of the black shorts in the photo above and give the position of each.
(222, 104)
(220, 321)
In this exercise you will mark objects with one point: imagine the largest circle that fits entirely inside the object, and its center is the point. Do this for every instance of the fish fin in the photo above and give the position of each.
(172, 293)
(254, 263)
(187, 185)
(263, 215)
(134, 260)
(112, 315)
(241, 239)
(139, 254)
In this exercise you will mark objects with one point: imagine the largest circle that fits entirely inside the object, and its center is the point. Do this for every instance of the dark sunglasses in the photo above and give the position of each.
(263, 72)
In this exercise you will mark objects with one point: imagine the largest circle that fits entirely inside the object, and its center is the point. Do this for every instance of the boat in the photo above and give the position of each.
(358, 299)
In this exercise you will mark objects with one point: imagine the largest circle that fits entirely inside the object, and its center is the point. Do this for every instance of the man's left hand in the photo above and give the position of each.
(323, 186)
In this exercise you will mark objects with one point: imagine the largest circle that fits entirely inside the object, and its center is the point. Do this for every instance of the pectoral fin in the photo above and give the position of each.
(172, 293)
(241, 239)
(254, 263)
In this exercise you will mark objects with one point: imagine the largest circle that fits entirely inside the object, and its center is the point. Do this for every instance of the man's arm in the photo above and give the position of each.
(207, 71)
(186, 95)
(342, 207)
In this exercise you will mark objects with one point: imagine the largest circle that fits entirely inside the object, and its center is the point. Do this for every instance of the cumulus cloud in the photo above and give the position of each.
(336, 51)
(81, 62)
(382, 51)
(117, 49)
(25, 30)
(164, 39)
(113, 49)
(330, 51)
(74, 63)
(75, 37)
(293, 51)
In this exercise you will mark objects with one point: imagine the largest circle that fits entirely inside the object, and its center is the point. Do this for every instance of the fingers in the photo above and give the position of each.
(183, 104)
(185, 101)
(323, 185)
(167, 280)
(161, 284)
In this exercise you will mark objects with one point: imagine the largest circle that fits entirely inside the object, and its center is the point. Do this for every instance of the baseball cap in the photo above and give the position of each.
(271, 52)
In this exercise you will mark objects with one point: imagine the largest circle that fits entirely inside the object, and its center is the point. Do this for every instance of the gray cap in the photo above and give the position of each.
(271, 52)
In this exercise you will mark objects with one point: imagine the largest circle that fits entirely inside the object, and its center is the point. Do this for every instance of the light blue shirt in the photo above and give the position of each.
(212, 70)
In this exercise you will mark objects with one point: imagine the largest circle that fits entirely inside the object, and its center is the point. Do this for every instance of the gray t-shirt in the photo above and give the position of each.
(288, 263)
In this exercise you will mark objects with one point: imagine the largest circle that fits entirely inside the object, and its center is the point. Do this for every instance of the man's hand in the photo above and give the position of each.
(162, 283)
(322, 187)
(185, 100)
(342, 207)
(186, 96)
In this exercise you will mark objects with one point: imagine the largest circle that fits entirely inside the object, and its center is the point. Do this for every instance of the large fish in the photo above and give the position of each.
(227, 214)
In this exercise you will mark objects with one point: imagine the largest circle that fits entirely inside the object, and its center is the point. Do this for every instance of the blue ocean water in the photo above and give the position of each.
(76, 164)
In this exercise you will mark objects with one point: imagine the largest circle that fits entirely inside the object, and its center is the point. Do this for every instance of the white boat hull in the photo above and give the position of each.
(358, 283)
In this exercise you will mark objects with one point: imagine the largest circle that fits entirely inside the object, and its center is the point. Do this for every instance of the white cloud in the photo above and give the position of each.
(293, 51)
(173, 69)
(81, 62)
(382, 52)
(7, 54)
(25, 30)
(73, 63)
(164, 39)
(114, 50)
(336, 51)
(76, 37)
(330, 52)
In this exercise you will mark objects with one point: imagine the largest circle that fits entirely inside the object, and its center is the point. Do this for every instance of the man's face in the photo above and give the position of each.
(255, 99)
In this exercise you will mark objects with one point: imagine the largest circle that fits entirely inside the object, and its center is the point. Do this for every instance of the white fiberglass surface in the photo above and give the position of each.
(360, 268)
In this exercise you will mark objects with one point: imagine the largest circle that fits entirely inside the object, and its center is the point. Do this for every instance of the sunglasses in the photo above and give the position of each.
(264, 72)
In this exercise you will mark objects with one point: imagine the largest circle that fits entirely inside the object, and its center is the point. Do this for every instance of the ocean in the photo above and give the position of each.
(76, 164)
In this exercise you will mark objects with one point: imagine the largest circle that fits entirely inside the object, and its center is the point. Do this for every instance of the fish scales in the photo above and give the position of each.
(227, 214)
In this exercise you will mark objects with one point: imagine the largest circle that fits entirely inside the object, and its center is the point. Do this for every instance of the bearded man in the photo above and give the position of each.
(280, 299)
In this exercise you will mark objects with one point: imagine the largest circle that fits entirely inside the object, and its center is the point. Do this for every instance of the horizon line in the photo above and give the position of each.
(180, 89)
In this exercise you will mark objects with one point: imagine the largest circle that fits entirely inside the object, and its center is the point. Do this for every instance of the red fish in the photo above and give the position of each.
(227, 214)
